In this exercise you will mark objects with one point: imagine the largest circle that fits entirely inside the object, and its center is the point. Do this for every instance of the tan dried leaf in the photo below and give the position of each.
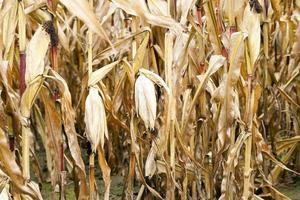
(139, 8)
(101, 73)
(30, 95)
(68, 118)
(155, 78)
(105, 171)
(150, 165)
(11, 168)
(83, 11)
(226, 92)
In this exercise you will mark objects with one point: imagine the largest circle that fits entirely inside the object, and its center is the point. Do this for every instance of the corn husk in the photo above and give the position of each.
(145, 100)
(35, 54)
(95, 119)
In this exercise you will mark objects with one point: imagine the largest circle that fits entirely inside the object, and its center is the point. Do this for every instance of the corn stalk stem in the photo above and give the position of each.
(25, 152)
(248, 148)
(62, 173)
(265, 70)
(249, 121)
(132, 162)
(62, 185)
(22, 44)
(92, 175)
(22, 72)
(171, 113)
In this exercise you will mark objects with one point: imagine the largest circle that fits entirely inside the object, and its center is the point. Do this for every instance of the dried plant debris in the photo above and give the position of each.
(183, 99)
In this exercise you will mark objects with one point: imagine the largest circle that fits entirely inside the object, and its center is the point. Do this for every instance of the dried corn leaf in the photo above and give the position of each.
(5, 194)
(226, 92)
(8, 28)
(150, 165)
(68, 118)
(53, 133)
(10, 167)
(105, 171)
(139, 8)
(83, 11)
(30, 95)
(155, 78)
(99, 74)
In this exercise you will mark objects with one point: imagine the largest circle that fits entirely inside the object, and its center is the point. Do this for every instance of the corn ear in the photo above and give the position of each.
(95, 119)
(145, 100)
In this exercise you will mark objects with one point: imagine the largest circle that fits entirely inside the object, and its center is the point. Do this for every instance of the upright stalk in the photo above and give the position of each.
(171, 113)
(22, 87)
(132, 162)
(249, 121)
(92, 154)
(265, 69)
(92, 175)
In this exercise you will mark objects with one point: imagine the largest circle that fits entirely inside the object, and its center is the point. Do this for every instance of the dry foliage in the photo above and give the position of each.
(190, 99)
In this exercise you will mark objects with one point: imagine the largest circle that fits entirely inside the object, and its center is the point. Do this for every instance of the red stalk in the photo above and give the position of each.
(53, 57)
(22, 73)
(62, 167)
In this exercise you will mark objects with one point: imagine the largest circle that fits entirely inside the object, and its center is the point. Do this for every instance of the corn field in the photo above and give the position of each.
(186, 99)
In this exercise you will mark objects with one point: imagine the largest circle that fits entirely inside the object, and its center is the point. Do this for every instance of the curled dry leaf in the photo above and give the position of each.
(101, 73)
(155, 78)
(11, 168)
(83, 11)
(150, 165)
(95, 119)
(53, 133)
(139, 8)
(68, 118)
(30, 95)
(226, 92)
(105, 171)
(145, 100)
